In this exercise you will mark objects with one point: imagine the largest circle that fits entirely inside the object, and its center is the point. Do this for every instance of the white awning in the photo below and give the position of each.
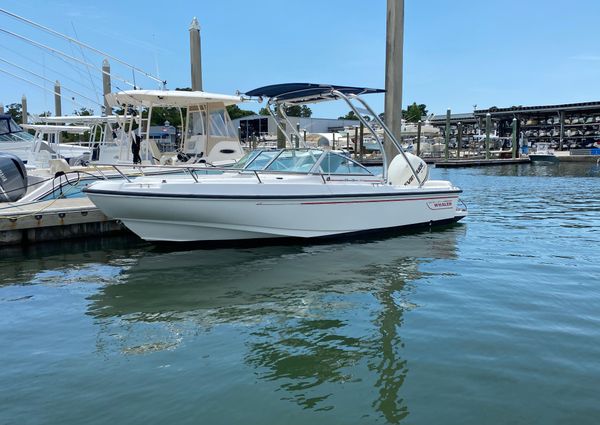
(175, 98)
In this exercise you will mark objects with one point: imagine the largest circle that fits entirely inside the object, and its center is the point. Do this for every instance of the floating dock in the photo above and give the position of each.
(455, 163)
(53, 220)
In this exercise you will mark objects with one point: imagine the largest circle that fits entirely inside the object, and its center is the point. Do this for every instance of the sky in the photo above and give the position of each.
(457, 54)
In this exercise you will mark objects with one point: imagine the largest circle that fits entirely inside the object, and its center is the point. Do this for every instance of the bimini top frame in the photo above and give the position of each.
(301, 93)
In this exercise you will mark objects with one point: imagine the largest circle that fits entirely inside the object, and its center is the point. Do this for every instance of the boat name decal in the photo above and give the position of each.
(440, 205)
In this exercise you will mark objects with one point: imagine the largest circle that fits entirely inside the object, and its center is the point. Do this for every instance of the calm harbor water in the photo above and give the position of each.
(492, 321)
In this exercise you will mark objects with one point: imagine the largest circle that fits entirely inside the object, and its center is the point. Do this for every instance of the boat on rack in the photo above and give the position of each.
(299, 193)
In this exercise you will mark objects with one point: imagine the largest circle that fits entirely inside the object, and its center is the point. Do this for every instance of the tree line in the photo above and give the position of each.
(412, 113)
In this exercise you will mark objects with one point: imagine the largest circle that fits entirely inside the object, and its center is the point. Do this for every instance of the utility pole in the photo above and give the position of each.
(195, 55)
(394, 51)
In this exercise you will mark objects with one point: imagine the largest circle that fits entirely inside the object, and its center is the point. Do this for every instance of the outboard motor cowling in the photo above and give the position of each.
(400, 174)
(13, 178)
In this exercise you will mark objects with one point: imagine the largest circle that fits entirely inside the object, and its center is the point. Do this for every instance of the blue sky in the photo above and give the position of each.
(457, 53)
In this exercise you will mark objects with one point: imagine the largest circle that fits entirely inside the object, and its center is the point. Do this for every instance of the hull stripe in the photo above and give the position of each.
(93, 191)
(377, 200)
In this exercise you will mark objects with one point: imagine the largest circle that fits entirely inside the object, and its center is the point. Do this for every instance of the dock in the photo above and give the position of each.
(52, 220)
(455, 163)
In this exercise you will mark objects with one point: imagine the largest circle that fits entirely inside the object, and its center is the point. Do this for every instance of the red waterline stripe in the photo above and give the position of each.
(378, 200)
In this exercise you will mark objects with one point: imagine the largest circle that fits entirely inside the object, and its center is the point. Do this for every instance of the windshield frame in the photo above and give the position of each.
(314, 170)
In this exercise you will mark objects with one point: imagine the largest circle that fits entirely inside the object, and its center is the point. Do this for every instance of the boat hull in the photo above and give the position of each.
(187, 218)
(549, 158)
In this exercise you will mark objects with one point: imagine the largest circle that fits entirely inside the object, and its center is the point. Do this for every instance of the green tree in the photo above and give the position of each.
(234, 112)
(305, 112)
(16, 111)
(84, 112)
(414, 112)
(162, 115)
(264, 111)
(349, 116)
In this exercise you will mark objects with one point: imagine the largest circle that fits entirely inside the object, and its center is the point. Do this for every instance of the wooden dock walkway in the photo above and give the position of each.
(53, 220)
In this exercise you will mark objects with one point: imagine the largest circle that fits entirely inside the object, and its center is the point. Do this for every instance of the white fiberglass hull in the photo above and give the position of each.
(200, 212)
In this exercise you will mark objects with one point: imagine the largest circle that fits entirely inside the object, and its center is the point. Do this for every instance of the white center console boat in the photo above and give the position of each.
(303, 192)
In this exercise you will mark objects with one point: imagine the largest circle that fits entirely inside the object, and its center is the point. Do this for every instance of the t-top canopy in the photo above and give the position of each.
(306, 92)
(177, 98)
(91, 119)
(52, 128)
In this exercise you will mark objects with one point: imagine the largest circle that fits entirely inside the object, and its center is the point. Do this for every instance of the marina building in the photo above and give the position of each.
(259, 125)
(570, 126)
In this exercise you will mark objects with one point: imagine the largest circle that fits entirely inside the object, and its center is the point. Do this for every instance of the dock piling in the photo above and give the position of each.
(394, 53)
(106, 85)
(57, 100)
(355, 141)
(447, 135)
(361, 138)
(24, 109)
(419, 124)
(297, 138)
(459, 139)
(195, 55)
(514, 138)
(488, 129)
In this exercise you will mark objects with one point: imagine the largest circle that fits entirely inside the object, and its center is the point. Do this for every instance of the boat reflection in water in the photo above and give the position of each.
(301, 310)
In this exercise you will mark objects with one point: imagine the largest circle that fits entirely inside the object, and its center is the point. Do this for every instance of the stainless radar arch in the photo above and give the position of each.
(306, 93)
(383, 126)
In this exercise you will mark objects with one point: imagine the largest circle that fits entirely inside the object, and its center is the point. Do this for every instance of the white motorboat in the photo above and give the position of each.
(543, 153)
(46, 145)
(208, 136)
(302, 193)
(32, 149)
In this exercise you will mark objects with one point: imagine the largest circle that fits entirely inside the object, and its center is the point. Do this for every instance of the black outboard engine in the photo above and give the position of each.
(13, 178)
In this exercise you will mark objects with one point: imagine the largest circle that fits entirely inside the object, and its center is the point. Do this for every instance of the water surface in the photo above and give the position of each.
(494, 320)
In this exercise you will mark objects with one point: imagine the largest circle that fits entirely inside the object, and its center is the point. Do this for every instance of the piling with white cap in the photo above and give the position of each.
(195, 55)
(106, 85)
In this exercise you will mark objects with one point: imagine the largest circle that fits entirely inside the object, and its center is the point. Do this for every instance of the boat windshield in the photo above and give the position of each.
(295, 160)
(10, 131)
(301, 161)
(334, 163)
(260, 161)
(246, 159)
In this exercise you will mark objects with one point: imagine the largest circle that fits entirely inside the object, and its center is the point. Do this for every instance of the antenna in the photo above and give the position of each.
(79, 43)
(43, 46)
(38, 85)
(49, 81)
